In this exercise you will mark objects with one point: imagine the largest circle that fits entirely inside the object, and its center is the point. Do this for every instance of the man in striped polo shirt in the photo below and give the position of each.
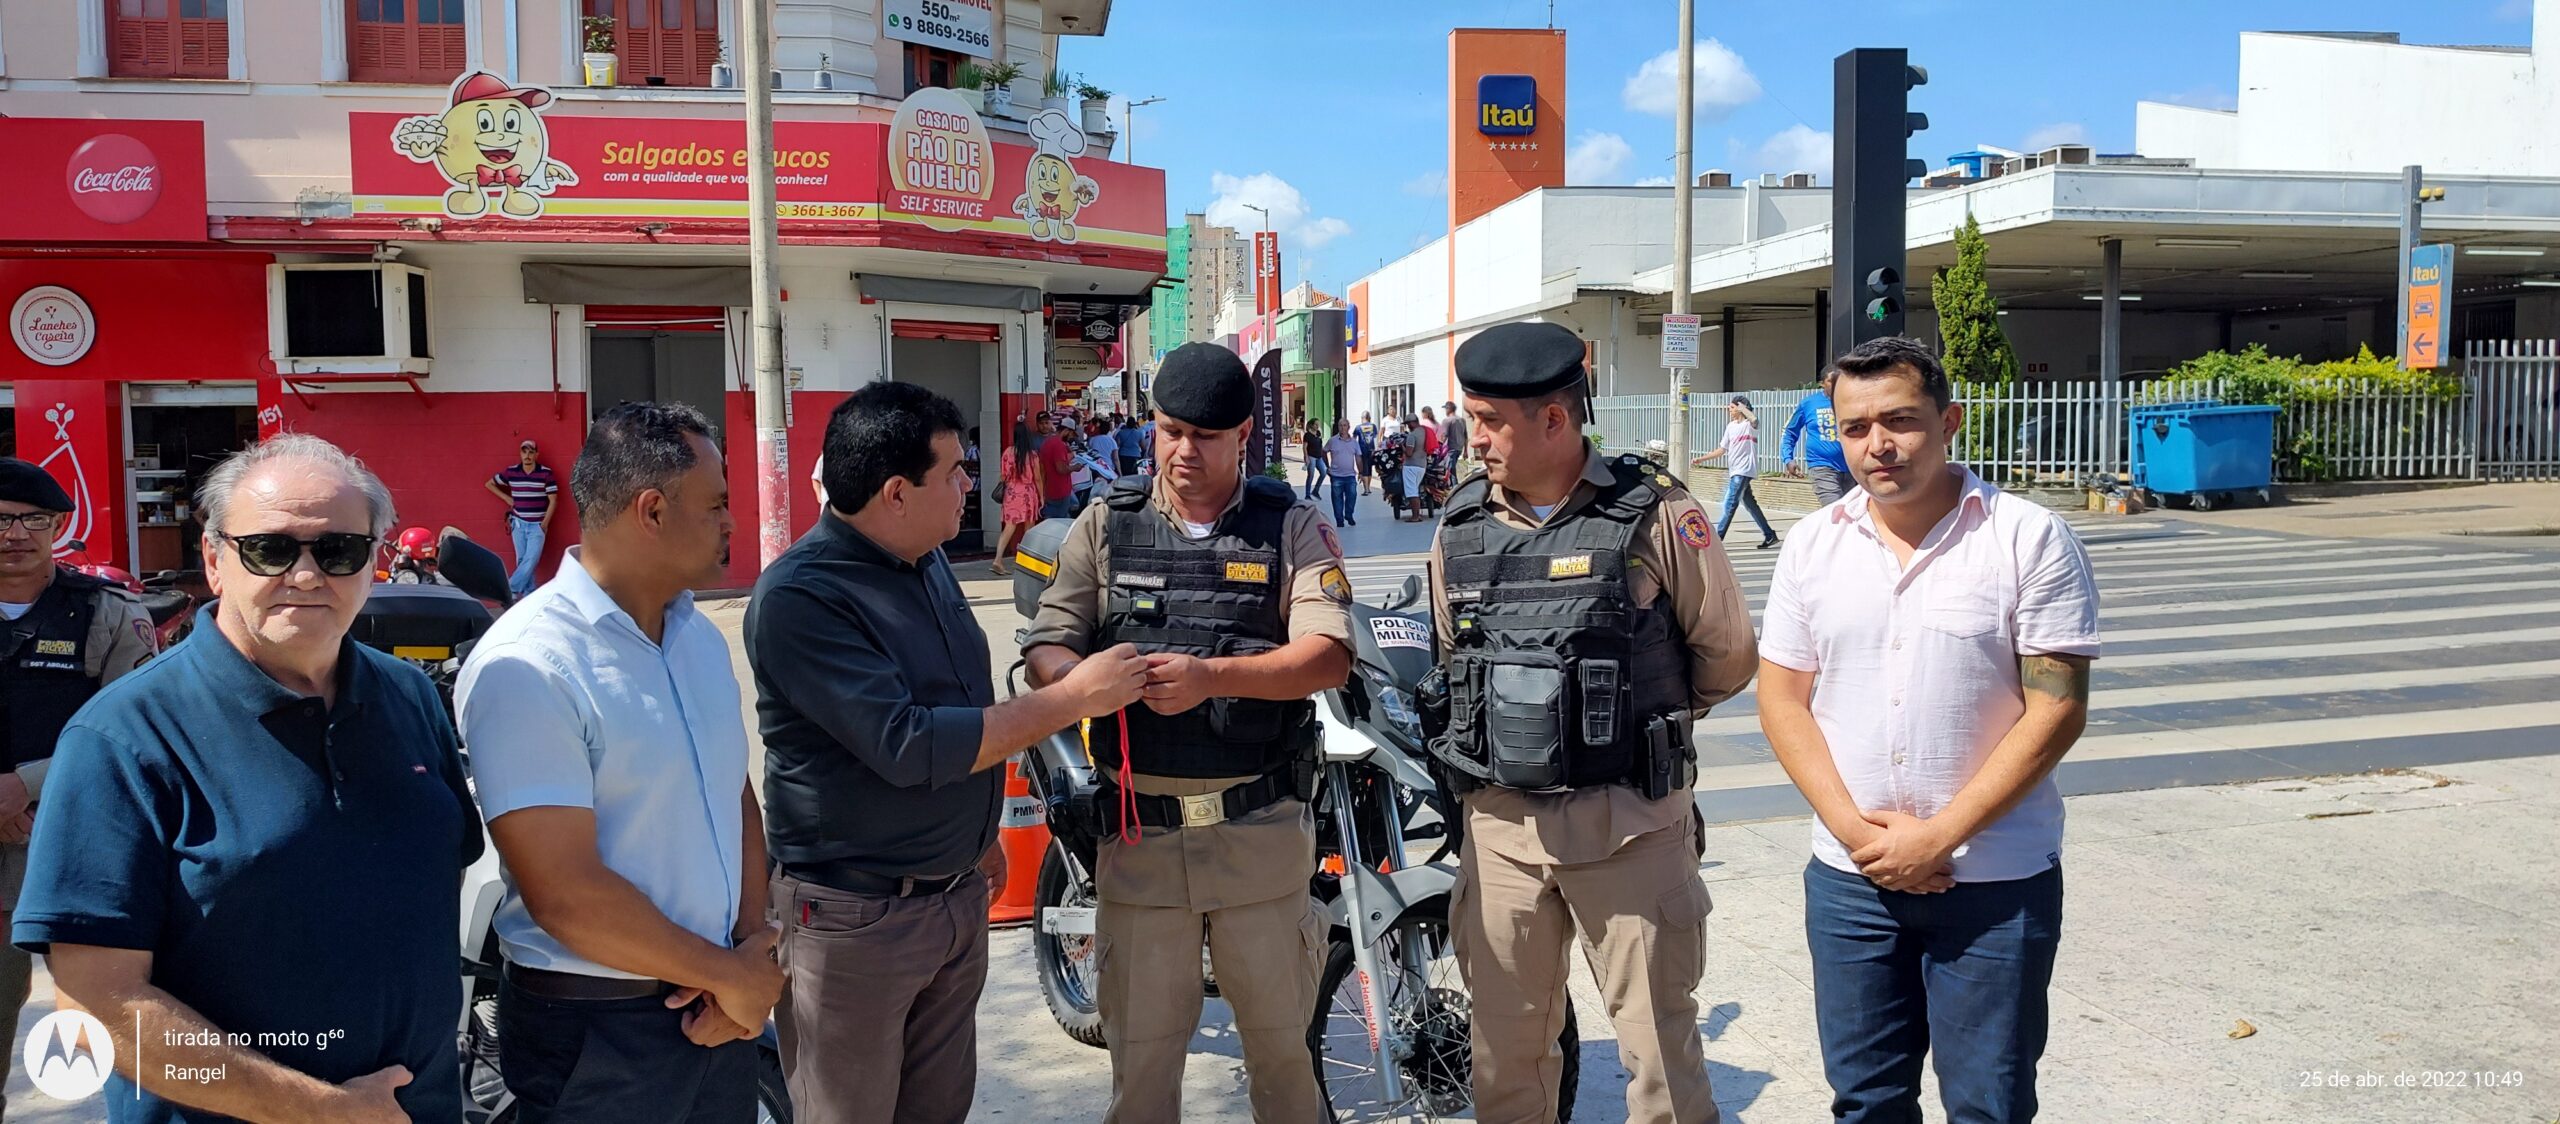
(530, 489)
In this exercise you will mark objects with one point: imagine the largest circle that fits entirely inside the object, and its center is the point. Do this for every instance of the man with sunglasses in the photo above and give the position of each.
(68, 635)
(247, 862)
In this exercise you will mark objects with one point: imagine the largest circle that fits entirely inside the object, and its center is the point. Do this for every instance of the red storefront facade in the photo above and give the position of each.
(604, 261)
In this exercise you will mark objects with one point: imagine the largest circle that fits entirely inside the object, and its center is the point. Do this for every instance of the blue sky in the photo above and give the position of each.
(1333, 113)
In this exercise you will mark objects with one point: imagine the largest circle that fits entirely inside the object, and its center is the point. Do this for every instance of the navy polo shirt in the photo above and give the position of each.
(294, 869)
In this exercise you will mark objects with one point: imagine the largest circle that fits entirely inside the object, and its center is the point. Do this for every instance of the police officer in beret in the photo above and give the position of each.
(1234, 589)
(1586, 615)
(69, 634)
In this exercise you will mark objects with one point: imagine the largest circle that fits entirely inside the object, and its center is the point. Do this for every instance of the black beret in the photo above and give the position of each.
(1205, 385)
(1520, 361)
(21, 482)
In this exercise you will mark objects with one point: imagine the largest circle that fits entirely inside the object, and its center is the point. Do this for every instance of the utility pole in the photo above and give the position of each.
(2412, 184)
(773, 459)
(1129, 121)
(1682, 187)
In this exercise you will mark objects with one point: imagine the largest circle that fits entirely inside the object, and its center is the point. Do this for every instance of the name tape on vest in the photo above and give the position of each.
(1574, 566)
(1256, 572)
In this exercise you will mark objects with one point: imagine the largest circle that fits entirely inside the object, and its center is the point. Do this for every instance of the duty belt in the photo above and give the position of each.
(1204, 810)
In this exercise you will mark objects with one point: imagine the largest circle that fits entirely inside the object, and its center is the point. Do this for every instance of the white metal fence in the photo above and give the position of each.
(2499, 421)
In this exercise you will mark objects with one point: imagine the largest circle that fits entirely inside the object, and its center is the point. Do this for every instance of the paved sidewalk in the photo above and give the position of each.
(2528, 510)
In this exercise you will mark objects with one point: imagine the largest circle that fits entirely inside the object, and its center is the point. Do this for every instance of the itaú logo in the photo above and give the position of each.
(1506, 105)
(114, 178)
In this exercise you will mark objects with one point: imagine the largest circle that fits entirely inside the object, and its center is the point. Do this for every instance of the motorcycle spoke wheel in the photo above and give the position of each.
(1425, 1029)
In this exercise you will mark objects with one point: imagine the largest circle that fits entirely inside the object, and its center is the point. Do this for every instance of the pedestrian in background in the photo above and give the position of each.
(1208, 833)
(1453, 437)
(1367, 434)
(1590, 587)
(1021, 484)
(1816, 429)
(530, 489)
(1311, 441)
(1342, 461)
(261, 832)
(68, 634)
(611, 759)
(1925, 666)
(1416, 464)
(1057, 471)
(1740, 451)
(884, 747)
(1133, 445)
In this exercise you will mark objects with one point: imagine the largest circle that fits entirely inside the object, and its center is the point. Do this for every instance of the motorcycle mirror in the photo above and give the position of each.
(472, 568)
(1407, 595)
(74, 544)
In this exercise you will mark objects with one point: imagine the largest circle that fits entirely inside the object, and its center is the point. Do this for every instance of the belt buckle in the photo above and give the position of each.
(1204, 810)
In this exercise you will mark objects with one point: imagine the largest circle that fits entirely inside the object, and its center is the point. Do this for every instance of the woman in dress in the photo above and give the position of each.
(1022, 490)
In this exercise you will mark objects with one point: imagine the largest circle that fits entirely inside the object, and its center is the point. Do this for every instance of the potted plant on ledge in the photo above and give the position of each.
(970, 82)
(599, 57)
(826, 76)
(1000, 80)
(1054, 90)
(1097, 108)
(724, 76)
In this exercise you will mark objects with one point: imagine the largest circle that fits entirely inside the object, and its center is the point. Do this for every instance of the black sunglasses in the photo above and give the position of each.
(338, 555)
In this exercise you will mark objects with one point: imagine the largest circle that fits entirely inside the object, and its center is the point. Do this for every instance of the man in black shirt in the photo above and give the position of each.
(882, 735)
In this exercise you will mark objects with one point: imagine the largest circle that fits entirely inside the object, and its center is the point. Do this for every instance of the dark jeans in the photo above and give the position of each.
(1737, 491)
(569, 1061)
(1315, 476)
(1346, 492)
(1896, 974)
(1059, 509)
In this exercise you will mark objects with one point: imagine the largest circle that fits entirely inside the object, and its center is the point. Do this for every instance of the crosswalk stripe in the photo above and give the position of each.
(2244, 736)
(2208, 556)
(2339, 648)
(2316, 624)
(2180, 570)
(2126, 698)
(2332, 597)
(2432, 577)
(2184, 546)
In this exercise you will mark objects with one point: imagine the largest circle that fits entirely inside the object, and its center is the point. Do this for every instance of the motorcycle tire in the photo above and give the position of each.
(1068, 982)
(1437, 1079)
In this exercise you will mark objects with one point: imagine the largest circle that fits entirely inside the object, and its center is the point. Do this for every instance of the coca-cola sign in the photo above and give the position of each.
(114, 178)
(52, 325)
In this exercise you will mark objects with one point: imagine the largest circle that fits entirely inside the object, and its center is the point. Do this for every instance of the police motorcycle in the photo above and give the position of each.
(433, 625)
(1389, 1032)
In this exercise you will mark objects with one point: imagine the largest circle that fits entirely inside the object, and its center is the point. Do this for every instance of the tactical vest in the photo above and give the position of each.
(1554, 674)
(1219, 596)
(45, 676)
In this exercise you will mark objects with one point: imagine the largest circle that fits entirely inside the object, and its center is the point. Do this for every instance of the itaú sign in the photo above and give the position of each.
(1506, 105)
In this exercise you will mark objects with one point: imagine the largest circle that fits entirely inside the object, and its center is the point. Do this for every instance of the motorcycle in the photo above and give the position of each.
(432, 625)
(1389, 1033)
(166, 595)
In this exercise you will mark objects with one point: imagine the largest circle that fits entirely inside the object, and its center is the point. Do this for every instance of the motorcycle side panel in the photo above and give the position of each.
(1386, 897)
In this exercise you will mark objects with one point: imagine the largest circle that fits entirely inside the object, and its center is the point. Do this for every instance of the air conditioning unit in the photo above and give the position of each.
(348, 318)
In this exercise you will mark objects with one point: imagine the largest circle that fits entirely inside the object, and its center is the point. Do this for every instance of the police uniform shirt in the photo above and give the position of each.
(120, 637)
(1233, 863)
(1677, 556)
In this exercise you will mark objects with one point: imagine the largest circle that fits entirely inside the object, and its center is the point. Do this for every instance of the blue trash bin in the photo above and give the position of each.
(2204, 450)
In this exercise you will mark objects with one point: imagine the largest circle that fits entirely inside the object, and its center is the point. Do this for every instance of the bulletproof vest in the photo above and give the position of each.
(1554, 674)
(1219, 596)
(45, 675)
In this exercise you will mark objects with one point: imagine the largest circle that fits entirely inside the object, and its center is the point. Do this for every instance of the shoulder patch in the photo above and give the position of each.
(1336, 586)
(1693, 530)
(142, 632)
(1332, 542)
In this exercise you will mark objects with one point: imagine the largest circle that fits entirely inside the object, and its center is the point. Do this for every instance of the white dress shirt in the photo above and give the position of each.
(1918, 665)
(566, 703)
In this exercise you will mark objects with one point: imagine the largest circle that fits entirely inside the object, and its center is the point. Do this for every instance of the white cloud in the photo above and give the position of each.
(2060, 132)
(1722, 83)
(1796, 148)
(1290, 214)
(1428, 185)
(1598, 158)
(1654, 181)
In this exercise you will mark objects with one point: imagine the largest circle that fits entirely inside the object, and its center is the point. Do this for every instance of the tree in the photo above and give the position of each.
(1975, 350)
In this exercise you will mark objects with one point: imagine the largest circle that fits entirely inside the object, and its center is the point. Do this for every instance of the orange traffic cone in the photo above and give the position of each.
(1023, 837)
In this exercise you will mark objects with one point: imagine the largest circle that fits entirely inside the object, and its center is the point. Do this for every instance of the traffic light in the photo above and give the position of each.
(1872, 125)
(1884, 295)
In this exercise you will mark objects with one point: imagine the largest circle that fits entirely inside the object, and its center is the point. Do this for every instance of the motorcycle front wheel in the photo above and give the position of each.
(1427, 1018)
(1070, 978)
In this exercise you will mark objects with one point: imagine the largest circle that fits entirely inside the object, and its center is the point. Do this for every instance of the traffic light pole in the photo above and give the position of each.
(1682, 189)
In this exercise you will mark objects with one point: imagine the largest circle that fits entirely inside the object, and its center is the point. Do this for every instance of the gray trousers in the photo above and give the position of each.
(1828, 483)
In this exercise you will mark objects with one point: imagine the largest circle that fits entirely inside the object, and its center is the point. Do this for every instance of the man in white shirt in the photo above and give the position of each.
(1924, 666)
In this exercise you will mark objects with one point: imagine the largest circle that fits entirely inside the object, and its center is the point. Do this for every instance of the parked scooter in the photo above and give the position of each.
(164, 595)
(1389, 1032)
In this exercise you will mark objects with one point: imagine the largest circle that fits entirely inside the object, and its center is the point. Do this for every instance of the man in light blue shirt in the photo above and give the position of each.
(604, 731)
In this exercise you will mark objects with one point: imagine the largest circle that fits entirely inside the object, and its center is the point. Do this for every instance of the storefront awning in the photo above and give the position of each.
(934, 290)
(719, 286)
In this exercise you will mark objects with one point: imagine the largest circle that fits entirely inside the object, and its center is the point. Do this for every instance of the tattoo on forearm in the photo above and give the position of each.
(2058, 677)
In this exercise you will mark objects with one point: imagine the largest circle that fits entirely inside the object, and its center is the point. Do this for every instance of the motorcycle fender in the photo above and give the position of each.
(483, 887)
(1386, 897)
